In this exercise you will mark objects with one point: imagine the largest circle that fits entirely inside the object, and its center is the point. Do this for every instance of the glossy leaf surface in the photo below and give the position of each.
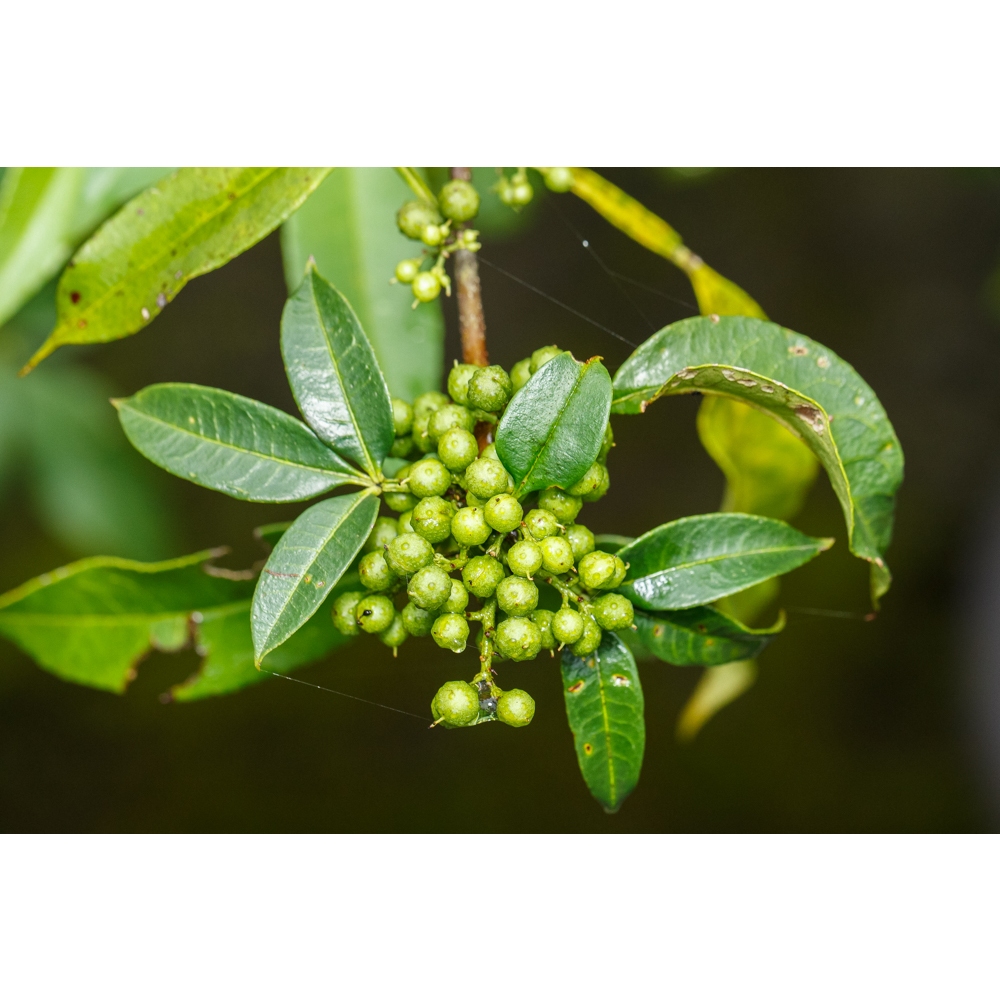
(552, 429)
(229, 443)
(333, 373)
(802, 384)
(192, 222)
(604, 705)
(308, 560)
(697, 560)
(348, 227)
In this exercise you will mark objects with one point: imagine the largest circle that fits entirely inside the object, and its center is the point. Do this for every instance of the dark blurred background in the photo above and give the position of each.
(852, 726)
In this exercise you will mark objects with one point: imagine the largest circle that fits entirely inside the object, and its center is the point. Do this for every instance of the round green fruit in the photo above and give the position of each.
(343, 610)
(433, 235)
(418, 620)
(524, 558)
(458, 382)
(516, 707)
(432, 518)
(541, 524)
(520, 374)
(588, 482)
(503, 513)
(459, 200)
(607, 444)
(543, 619)
(402, 417)
(428, 478)
(404, 521)
(557, 556)
(374, 613)
(581, 540)
(469, 526)
(481, 575)
(567, 625)
(490, 388)
(486, 477)
(458, 600)
(414, 216)
(429, 587)
(401, 447)
(456, 704)
(452, 415)
(518, 639)
(409, 552)
(427, 402)
(375, 572)
(458, 449)
(399, 502)
(451, 631)
(426, 286)
(600, 489)
(407, 270)
(395, 635)
(516, 595)
(613, 612)
(560, 504)
(590, 639)
(543, 356)
(385, 530)
(597, 570)
(558, 179)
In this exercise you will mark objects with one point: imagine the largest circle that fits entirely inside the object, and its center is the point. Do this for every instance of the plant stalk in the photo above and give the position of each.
(471, 321)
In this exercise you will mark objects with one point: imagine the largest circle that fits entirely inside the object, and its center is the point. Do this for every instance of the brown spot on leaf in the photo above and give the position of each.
(811, 416)
(81, 323)
(576, 688)
(798, 350)
(620, 680)
(588, 748)
(658, 630)
(74, 297)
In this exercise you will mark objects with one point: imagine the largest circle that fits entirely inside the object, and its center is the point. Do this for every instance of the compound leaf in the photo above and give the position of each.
(604, 705)
(553, 428)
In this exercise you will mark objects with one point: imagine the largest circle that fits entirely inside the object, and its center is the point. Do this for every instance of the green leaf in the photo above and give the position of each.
(193, 222)
(719, 295)
(92, 621)
(604, 706)
(701, 636)
(348, 226)
(105, 189)
(270, 533)
(309, 559)
(718, 687)
(333, 373)
(612, 543)
(697, 560)
(552, 429)
(232, 444)
(800, 383)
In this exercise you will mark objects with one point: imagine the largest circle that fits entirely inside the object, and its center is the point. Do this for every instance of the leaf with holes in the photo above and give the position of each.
(193, 222)
(553, 428)
(798, 382)
(308, 560)
(333, 373)
(232, 444)
(604, 706)
(697, 560)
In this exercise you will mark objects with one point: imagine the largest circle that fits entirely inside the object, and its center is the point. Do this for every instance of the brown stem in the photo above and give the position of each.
(471, 321)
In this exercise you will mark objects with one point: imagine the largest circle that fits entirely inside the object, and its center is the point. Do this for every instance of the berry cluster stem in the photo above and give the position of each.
(471, 321)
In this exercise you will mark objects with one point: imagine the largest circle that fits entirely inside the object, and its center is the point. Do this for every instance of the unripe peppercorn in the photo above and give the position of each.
(540, 523)
(558, 179)
(432, 518)
(490, 388)
(613, 612)
(486, 477)
(543, 356)
(543, 619)
(520, 374)
(404, 521)
(524, 558)
(458, 449)
(588, 482)
(428, 478)
(516, 707)
(560, 504)
(517, 596)
(456, 704)
(450, 416)
(471, 500)
(458, 601)
(421, 435)
(459, 200)
(399, 502)
(429, 587)
(597, 570)
(402, 417)
(521, 193)
(407, 270)
(567, 625)
(426, 286)
(518, 639)
(469, 526)
(581, 540)
(414, 216)
(490, 451)
(401, 447)
(557, 556)
(433, 235)
(418, 620)
(503, 513)
(375, 572)
(458, 382)
(374, 613)
(343, 610)
(427, 402)
(409, 552)
(481, 575)
(590, 639)
(620, 570)
(395, 635)
(602, 487)
(384, 531)
(451, 631)
(607, 444)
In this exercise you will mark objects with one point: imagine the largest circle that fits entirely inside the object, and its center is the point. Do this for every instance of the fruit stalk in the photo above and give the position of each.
(471, 322)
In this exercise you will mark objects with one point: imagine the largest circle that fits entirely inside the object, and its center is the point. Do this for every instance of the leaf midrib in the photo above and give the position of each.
(112, 619)
(745, 553)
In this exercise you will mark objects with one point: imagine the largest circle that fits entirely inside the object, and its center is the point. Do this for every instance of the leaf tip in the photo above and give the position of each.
(826, 543)
(40, 355)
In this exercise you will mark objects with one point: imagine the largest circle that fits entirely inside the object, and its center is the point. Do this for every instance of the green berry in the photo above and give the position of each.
(560, 504)
(490, 388)
(456, 704)
(385, 530)
(404, 521)
(516, 707)
(567, 625)
(421, 433)
(543, 356)
(588, 482)
(557, 556)
(401, 447)
(481, 575)
(540, 523)
(399, 501)
(409, 552)
(503, 513)
(458, 449)
(428, 478)
(490, 451)
(607, 444)
(432, 518)
(426, 286)
(429, 587)
(518, 639)
(590, 639)
(558, 179)
(517, 596)
(620, 570)
(458, 601)
(433, 235)
(471, 500)
(613, 612)
(374, 613)
(418, 620)
(597, 570)
(451, 631)
(521, 194)
(407, 270)
(520, 374)
(486, 477)
(343, 610)
(458, 382)
(450, 416)
(459, 200)
(395, 635)
(427, 402)
(524, 558)
(469, 526)
(375, 572)
(598, 491)
(414, 215)
(581, 540)
(543, 619)
(402, 417)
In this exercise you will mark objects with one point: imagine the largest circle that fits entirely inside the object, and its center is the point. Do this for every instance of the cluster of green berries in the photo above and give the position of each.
(462, 534)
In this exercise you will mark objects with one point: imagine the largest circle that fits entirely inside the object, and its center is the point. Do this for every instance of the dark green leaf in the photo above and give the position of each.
(697, 560)
(334, 375)
(348, 227)
(191, 223)
(230, 443)
(799, 382)
(552, 429)
(612, 543)
(309, 559)
(604, 705)
(701, 636)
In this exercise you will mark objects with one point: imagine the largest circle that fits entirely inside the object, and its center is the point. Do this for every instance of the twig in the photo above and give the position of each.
(471, 321)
